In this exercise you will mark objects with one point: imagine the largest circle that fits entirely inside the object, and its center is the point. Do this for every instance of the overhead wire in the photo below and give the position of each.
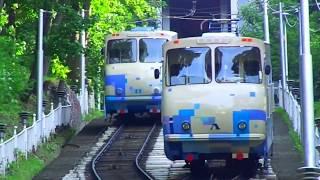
(318, 5)
(273, 10)
(190, 16)
(194, 19)
(314, 31)
(203, 17)
(178, 8)
(288, 22)
(214, 8)
(193, 10)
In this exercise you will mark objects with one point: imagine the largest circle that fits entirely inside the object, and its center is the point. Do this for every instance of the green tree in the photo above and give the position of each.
(108, 17)
(13, 79)
(62, 26)
(253, 26)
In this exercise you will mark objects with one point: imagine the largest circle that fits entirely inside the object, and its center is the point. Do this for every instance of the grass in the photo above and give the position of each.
(293, 135)
(27, 169)
(93, 115)
(317, 109)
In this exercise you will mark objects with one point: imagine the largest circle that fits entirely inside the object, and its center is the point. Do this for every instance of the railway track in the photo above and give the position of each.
(155, 165)
(116, 159)
(137, 152)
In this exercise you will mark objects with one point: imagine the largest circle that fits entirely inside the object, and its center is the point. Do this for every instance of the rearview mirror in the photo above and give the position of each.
(156, 73)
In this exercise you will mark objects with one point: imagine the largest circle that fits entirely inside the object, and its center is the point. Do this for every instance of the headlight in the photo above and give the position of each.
(119, 91)
(156, 90)
(186, 126)
(242, 125)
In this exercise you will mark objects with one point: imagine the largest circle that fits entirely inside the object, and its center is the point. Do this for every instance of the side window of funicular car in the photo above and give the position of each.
(122, 51)
(189, 66)
(238, 64)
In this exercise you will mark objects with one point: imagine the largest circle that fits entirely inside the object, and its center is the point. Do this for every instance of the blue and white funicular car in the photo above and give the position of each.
(215, 99)
(133, 83)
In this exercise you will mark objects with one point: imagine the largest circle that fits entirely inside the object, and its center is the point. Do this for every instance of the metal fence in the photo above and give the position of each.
(87, 101)
(30, 137)
(83, 99)
(290, 103)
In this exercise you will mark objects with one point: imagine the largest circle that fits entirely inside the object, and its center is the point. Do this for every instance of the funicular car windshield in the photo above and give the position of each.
(189, 66)
(122, 51)
(150, 50)
(238, 65)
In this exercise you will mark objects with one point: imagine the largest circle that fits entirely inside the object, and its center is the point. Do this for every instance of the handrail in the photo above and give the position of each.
(21, 141)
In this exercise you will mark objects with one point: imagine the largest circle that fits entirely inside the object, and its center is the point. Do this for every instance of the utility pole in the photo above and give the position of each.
(40, 66)
(306, 89)
(300, 56)
(83, 63)
(282, 52)
(266, 33)
(285, 47)
(266, 22)
(267, 160)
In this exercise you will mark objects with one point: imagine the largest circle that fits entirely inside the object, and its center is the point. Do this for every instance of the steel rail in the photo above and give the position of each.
(139, 155)
(105, 148)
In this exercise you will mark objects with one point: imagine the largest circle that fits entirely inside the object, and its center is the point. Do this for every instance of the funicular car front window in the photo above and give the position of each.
(150, 50)
(122, 51)
(238, 64)
(189, 66)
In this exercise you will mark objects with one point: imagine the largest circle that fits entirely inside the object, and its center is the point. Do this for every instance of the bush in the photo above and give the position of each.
(13, 76)
(13, 82)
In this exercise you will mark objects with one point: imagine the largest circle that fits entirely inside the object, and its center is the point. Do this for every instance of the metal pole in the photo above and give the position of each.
(266, 30)
(282, 48)
(300, 70)
(99, 101)
(307, 87)
(285, 48)
(25, 141)
(300, 33)
(3, 159)
(40, 65)
(83, 41)
(266, 22)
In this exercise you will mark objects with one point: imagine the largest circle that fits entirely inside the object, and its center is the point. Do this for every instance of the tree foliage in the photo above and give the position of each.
(13, 74)
(62, 26)
(252, 15)
(109, 17)
(58, 70)
(3, 18)
(13, 79)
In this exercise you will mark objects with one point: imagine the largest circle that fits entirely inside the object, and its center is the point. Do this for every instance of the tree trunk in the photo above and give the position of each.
(86, 6)
(11, 18)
